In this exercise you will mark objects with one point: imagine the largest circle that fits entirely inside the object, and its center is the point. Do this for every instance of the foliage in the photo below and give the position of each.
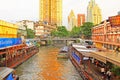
(77, 41)
(86, 29)
(60, 32)
(75, 32)
(30, 33)
(116, 70)
(54, 33)
(49, 42)
(37, 44)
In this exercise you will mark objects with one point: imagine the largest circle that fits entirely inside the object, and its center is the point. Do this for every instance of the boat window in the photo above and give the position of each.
(89, 42)
(2, 57)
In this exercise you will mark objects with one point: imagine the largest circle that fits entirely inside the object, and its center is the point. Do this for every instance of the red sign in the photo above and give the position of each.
(115, 20)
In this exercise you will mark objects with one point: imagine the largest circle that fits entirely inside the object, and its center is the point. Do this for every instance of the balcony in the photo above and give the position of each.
(108, 42)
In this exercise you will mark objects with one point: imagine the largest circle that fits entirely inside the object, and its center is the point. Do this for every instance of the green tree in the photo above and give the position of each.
(54, 33)
(30, 33)
(60, 32)
(116, 70)
(75, 32)
(85, 30)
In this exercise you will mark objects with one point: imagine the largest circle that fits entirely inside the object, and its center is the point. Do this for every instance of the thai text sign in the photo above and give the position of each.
(115, 20)
(5, 42)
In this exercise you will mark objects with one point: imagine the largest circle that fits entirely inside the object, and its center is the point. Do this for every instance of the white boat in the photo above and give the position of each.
(63, 54)
(64, 49)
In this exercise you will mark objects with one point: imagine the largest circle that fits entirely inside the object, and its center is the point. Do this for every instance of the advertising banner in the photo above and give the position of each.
(76, 57)
(6, 42)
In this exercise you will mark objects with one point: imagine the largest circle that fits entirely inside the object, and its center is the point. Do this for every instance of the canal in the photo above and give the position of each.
(45, 66)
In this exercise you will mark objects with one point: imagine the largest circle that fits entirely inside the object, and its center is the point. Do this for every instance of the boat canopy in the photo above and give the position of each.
(4, 72)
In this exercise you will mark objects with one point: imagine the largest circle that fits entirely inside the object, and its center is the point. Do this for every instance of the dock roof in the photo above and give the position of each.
(102, 56)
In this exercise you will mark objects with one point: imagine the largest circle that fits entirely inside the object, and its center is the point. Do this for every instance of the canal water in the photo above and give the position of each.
(45, 66)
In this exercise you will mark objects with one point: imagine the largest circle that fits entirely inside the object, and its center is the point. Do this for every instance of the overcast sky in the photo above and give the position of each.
(16, 10)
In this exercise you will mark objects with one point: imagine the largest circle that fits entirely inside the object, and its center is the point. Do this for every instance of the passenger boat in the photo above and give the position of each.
(14, 49)
(7, 74)
(12, 56)
(80, 54)
(64, 49)
(63, 53)
(62, 56)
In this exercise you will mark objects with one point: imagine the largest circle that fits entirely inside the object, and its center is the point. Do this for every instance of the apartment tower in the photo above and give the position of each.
(51, 11)
(80, 19)
(72, 21)
(93, 13)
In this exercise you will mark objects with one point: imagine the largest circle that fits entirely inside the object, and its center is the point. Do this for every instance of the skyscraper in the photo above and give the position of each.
(93, 13)
(71, 20)
(119, 13)
(80, 19)
(51, 11)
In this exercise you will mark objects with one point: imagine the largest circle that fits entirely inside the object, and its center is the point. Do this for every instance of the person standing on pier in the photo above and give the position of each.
(108, 75)
(117, 50)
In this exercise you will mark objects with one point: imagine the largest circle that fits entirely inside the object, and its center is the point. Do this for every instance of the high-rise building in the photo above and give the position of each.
(71, 20)
(80, 19)
(119, 13)
(51, 11)
(93, 13)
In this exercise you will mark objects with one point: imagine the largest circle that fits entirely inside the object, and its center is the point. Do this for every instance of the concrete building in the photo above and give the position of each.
(27, 23)
(43, 30)
(93, 13)
(51, 11)
(22, 27)
(107, 33)
(80, 19)
(8, 30)
(72, 22)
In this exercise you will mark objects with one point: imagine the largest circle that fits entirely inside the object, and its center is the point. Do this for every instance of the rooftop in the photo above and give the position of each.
(103, 56)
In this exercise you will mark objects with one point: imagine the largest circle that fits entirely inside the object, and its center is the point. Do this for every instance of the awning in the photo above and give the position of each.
(101, 56)
(107, 56)
(114, 58)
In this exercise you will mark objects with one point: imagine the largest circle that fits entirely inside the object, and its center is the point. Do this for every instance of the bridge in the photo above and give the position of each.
(59, 41)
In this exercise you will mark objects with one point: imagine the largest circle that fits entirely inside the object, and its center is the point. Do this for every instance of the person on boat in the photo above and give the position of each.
(15, 76)
(117, 50)
(108, 75)
(103, 72)
(97, 63)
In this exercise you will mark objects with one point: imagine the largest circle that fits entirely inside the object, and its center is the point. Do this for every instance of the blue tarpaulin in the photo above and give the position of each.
(6, 42)
(10, 77)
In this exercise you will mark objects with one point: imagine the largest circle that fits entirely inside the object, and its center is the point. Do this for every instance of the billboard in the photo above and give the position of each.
(115, 20)
(6, 42)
